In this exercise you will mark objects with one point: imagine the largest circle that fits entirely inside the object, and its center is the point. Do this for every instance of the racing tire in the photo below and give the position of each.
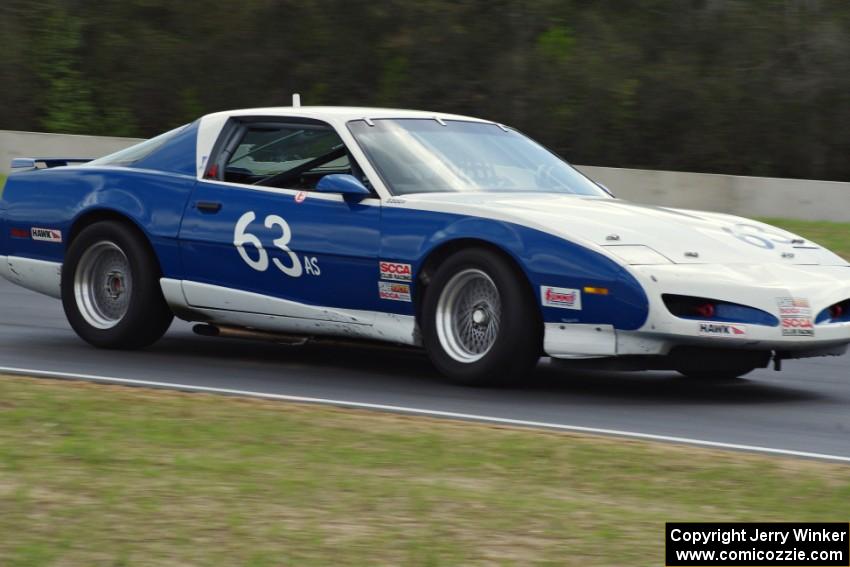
(110, 288)
(480, 323)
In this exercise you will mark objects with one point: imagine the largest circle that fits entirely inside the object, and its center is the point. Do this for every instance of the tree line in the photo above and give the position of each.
(750, 87)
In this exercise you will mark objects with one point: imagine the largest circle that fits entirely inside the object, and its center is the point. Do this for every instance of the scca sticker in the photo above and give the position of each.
(722, 330)
(46, 234)
(395, 271)
(394, 291)
(560, 297)
(795, 315)
(792, 327)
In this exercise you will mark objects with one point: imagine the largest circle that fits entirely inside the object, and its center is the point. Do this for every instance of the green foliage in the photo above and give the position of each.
(556, 44)
(833, 235)
(393, 80)
(64, 94)
(756, 87)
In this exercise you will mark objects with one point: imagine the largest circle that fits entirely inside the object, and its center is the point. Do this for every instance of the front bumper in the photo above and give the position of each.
(762, 287)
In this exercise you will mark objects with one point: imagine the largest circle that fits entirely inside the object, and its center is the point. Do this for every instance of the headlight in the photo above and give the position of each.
(636, 255)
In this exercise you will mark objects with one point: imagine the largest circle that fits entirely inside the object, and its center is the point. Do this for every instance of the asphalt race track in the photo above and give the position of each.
(805, 408)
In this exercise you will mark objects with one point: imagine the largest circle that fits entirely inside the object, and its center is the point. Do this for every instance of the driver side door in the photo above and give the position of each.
(283, 250)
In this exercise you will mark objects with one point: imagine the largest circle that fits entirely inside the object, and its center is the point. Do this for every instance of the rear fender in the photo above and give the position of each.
(63, 198)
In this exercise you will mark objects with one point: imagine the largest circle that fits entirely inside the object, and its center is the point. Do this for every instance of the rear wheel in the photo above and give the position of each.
(480, 323)
(110, 288)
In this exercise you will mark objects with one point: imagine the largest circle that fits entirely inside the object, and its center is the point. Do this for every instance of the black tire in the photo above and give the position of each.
(518, 342)
(144, 314)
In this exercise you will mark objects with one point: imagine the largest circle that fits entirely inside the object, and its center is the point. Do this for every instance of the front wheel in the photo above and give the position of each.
(110, 288)
(480, 323)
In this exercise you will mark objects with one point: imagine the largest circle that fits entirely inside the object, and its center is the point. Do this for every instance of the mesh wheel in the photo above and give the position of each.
(480, 321)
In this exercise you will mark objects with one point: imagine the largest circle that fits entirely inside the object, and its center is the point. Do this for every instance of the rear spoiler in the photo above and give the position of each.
(45, 162)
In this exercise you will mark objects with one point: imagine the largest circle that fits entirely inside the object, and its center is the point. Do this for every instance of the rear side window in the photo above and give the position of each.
(266, 151)
(140, 151)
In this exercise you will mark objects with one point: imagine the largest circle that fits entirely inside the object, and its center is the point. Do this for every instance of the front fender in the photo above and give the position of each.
(548, 261)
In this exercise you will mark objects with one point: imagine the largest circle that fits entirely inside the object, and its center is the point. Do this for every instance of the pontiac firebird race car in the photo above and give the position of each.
(451, 233)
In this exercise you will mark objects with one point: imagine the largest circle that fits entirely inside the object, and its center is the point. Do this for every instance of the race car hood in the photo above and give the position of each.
(682, 236)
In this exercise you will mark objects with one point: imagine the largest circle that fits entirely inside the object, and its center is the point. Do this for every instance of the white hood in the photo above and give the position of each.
(684, 237)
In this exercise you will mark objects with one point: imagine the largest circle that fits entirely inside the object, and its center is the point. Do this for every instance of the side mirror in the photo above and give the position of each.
(343, 184)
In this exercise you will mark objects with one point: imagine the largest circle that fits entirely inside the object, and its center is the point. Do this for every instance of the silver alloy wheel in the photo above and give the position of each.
(468, 315)
(103, 284)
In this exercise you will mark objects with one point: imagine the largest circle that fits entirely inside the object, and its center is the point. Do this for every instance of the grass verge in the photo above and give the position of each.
(833, 235)
(100, 475)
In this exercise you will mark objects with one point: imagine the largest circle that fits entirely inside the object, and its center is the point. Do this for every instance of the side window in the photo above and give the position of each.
(289, 155)
(138, 152)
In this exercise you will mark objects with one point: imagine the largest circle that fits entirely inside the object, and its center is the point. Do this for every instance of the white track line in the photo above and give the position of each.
(424, 412)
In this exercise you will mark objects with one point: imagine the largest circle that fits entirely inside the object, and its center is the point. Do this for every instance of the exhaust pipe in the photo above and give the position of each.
(209, 330)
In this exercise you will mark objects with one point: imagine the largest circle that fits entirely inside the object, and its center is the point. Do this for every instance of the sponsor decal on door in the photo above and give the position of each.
(394, 291)
(395, 271)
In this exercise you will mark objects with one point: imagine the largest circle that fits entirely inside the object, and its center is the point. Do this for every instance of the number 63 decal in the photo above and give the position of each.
(757, 236)
(242, 238)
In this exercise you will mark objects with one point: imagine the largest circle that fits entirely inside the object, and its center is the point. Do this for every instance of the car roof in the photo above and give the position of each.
(210, 126)
(343, 113)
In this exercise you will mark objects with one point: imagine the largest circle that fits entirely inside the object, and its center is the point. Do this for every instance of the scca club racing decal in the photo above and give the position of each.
(396, 272)
(722, 330)
(560, 297)
(795, 315)
(394, 291)
(46, 234)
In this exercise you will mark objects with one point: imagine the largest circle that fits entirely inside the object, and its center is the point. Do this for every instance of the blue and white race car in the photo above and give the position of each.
(446, 232)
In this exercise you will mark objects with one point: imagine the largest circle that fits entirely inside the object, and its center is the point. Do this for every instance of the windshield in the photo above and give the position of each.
(427, 156)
